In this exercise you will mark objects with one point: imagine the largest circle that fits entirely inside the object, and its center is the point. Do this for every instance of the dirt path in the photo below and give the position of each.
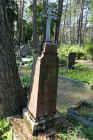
(68, 95)
(88, 63)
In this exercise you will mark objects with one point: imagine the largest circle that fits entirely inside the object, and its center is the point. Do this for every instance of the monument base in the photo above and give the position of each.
(37, 126)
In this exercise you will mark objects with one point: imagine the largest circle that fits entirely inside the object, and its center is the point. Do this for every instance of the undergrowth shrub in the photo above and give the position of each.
(81, 73)
(5, 132)
(65, 49)
(81, 67)
(29, 65)
(25, 81)
(86, 132)
(89, 50)
(62, 61)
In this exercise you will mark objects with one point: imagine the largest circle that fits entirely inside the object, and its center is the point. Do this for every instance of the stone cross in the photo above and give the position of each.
(48, 23)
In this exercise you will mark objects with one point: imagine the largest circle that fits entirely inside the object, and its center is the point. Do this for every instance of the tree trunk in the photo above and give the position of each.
(70, 21)
(81, 21)
(20, 22)
(12, 98)
(66, 32)
(78, 30)
(44, 23)
(35, 24)
(84, 34)
(22, 19)
(60, 7)
(73, 27)
(60, 35)
(63, 37)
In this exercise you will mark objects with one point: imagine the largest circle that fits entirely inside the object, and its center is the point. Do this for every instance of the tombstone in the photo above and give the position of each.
(71, 60)
(40, 113)
(18, 57)
(24, 50)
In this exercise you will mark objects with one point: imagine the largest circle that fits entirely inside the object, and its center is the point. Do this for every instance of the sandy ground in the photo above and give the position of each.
(68, 95)
(88, 63)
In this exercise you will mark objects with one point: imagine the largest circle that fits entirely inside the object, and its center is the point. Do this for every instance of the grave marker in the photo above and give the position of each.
(48, 23)
(24, 51)
(41, 113)
(71, 60)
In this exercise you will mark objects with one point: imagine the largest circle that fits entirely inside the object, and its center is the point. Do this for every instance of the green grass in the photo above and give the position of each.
(75, 131)
(25, 72)
(81, 73)
(25, 81)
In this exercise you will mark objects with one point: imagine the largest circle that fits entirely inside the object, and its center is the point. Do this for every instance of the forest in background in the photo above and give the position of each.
(74, 24)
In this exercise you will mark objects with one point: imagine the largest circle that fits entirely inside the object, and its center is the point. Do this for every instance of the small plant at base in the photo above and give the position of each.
(88, 132)
(62, 61)
(25, 81)
(70, 133)
(5, 133)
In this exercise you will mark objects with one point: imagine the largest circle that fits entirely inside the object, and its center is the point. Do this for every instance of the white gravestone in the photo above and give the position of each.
(48, 23)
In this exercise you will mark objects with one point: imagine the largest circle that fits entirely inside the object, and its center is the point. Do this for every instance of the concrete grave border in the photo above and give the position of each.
(75, 82)
(78, 116)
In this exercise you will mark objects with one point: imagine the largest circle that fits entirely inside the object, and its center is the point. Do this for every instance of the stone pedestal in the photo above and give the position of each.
(37, 126)
(41, 109)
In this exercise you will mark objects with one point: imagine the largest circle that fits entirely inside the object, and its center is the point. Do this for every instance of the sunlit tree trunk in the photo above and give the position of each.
(78, 30)
(81, 21)
(70, 21)
(73, 26)
(84, 34)
(63, 36)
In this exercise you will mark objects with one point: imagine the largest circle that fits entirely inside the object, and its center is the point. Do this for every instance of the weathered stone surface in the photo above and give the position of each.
(37, 126)
(41, 108)
(25, 50)
(44, 86)
(71, 60)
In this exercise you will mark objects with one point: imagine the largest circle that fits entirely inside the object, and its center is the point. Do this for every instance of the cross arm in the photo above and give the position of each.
(54, 17)
(44, 15)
